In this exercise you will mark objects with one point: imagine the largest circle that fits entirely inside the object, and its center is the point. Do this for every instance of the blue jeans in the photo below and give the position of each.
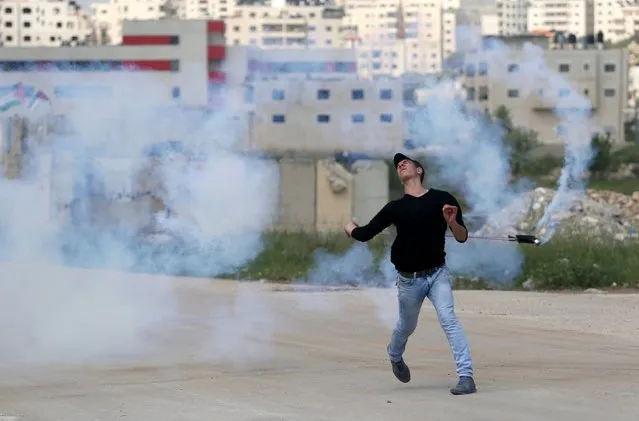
(411, 293)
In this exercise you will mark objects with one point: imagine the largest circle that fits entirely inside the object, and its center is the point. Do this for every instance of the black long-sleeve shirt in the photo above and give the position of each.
(420, 226)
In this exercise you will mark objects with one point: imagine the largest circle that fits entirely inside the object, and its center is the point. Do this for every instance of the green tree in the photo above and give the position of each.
(519, 141)
(602, 162)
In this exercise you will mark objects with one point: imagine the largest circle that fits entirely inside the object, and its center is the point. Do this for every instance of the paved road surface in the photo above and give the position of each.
(247, 353)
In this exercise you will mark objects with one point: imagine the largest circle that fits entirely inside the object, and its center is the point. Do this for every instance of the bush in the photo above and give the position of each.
(289, 255)
(581, 262)
(562, 263)
(542, 166)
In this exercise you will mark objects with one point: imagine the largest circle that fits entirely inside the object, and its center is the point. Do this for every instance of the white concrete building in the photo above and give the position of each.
(512, 17)
(428, 29)
(617, 19)
(570, 16)
(108, 17)
(42, 23)
(285, 27)
(478, 15)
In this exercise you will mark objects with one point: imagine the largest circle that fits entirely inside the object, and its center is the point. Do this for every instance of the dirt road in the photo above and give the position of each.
(248, 353)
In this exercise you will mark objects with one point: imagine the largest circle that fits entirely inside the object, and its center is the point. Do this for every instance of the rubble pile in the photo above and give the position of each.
(598, 213)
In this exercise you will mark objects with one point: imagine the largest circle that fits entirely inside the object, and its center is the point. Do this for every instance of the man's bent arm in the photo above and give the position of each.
(459, 231)
(379, 223)
(458, 228)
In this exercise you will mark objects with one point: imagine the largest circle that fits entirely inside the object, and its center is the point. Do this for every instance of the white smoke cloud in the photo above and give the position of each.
(221, 201)
(466, 151)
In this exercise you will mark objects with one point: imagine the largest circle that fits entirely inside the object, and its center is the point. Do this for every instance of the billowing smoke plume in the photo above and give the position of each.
(466, 153)
(91, 197)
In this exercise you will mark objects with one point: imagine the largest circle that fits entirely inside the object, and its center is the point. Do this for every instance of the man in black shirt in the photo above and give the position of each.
(421, 218)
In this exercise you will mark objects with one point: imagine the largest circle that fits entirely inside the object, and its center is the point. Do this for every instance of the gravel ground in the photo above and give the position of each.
(135, 347)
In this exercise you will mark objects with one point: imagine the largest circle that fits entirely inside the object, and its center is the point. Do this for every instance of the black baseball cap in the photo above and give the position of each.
(399, 157)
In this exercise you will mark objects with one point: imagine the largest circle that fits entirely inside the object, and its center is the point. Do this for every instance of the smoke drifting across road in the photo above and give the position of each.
(223, 203)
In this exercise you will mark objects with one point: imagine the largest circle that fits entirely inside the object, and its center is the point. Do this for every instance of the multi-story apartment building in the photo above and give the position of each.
(512, 17)
(593, 78)
(396, 36)
(568, 16)
(286, 27)
(616, 19)
(108, 17)
(43, 23)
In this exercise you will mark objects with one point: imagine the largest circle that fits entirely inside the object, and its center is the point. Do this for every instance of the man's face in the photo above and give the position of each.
(407, 170)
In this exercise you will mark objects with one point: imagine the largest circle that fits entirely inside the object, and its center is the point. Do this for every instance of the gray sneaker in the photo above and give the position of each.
(465, 386)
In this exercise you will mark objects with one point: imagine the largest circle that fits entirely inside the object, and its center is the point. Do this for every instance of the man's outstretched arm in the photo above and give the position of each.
(379, 223)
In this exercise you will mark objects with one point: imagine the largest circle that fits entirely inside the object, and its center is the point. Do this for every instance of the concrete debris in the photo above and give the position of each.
(599, 213)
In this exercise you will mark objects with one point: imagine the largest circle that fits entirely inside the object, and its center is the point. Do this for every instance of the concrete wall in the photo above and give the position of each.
(334, 196)
(297, 195)
(370, 189)
(317, 195)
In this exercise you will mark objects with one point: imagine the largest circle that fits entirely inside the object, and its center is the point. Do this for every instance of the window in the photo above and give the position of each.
(483, 93)
(470, 94)
(358, 118)
(27, 38)
(586, 92)
(323, 94)
(482, 68)
(564, 93)
(323, 118)
(174, 40)
(386, 118)
(513, 68)
(386, 94)
(249, 94)
(563, 68)
(609, 92)
(175, 65)
(175, 92)
(470, 70)
(513, 93)
(8, 24)
(278, 94)
(357, 94)
(26, 24)
(278, 118)
(609, 68)
(26, 10)
(8, 10)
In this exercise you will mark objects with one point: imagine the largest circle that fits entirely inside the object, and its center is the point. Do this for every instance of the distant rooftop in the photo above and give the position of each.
(288, 3)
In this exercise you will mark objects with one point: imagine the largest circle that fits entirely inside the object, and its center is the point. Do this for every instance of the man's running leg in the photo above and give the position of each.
(441, 295)
(410, 298)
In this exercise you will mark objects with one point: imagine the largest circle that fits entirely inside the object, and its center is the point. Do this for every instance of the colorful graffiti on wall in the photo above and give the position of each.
(21, 95)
